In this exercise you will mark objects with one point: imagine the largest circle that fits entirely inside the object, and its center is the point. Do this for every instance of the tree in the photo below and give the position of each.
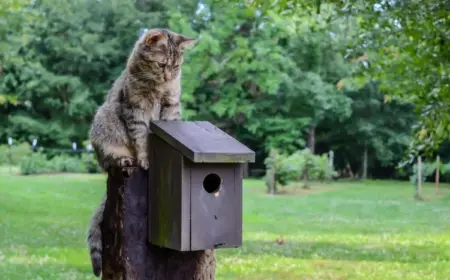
(270, 78)
(15, 15)
(376, 130)
(235, 77)
(64, 63)
(409, 43)
(315, 45)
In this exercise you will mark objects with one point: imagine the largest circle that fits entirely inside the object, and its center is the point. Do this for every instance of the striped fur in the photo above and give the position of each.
(148, 89)
(94, 239)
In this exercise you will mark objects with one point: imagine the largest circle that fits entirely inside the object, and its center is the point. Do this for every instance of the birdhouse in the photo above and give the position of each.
(195, 186)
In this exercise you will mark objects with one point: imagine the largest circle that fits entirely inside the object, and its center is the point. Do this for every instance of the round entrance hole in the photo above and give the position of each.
(212, 183)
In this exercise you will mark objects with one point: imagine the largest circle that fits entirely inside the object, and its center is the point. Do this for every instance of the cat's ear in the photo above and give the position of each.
(185, 43)
(154, 37)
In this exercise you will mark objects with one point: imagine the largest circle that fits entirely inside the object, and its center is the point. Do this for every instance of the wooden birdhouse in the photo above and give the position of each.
(195, 186)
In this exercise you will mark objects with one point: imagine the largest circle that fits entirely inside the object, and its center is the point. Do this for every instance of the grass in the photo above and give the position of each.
(8, 170)
(345, 230)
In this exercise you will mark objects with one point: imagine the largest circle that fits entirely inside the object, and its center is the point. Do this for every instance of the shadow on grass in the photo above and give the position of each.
(347, 252)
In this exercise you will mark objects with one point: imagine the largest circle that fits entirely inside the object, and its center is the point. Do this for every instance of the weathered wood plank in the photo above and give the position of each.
(238, 174)
(127, 254)
(169, 197)
(214, 214)
(201, 141)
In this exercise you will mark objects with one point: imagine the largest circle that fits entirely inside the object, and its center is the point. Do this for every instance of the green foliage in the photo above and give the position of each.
(317, 166)
(414, 65)
(35, 163)
(269, 78)
(61, 64)
(408, 46)
(429, 169)
(65, 163)
(444, 168)
(90, 163)
(322, 170)
(382, 128)
(236, 77)
(17, 153)
(284, 174)
(292, 167)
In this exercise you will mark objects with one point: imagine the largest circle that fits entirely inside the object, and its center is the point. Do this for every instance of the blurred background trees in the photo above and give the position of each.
(361, 78)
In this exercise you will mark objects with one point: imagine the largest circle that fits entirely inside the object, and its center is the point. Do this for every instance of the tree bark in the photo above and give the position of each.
(349, 170)
(271, 182)
(127, 254)
(419, 179)
(436, 181)
(306, 179)
(331, 159)
(312, 138)
(365, 162)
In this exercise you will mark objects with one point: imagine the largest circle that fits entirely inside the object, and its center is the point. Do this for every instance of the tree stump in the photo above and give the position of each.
(127, 254)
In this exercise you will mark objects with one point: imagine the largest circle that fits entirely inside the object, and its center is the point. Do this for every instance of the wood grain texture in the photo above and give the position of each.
(201, 141)
(238, 177)
(214, 215)
(127, 254)
(169, 197)
(183, 215)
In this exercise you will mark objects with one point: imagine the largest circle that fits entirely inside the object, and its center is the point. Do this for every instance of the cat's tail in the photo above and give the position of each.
(94, 239)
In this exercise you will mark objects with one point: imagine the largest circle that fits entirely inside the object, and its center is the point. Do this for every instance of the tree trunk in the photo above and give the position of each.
(365, 162)
(127, 254)
(312, 138)
(306, 179)
(438, 168)
(271, 182)
(349, 170)
(419, 179)
(331, 159)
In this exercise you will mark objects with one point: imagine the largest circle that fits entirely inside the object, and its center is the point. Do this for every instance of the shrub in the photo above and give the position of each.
(322, 170)
(35, 163)
(90, 163)
(316, 165)
(65, 163)
(445, 172)
(427, 170)
(18, 152)
(283, 174)
(294, 167)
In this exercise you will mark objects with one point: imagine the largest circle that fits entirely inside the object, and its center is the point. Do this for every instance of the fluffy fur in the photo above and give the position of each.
(148, 89)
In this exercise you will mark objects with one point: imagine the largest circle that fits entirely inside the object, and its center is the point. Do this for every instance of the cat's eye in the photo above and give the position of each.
(160, 64)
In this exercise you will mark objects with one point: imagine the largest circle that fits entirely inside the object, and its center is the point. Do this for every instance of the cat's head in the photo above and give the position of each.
(158, 54)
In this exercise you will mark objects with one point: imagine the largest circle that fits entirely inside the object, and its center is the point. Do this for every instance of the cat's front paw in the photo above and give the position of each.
(126, 161)
(144, 163)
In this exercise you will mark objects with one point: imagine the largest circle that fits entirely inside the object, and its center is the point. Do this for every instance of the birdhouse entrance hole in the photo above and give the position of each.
(212, 183)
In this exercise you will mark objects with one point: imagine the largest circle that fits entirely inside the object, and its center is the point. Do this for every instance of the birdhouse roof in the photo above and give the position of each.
(201, 141)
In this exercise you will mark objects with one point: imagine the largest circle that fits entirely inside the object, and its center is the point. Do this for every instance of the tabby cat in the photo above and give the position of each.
(148, 89)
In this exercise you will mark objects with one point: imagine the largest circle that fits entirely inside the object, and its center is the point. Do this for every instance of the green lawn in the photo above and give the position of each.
(346, 230)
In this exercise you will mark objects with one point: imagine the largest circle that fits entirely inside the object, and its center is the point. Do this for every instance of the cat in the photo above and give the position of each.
(148, 89)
